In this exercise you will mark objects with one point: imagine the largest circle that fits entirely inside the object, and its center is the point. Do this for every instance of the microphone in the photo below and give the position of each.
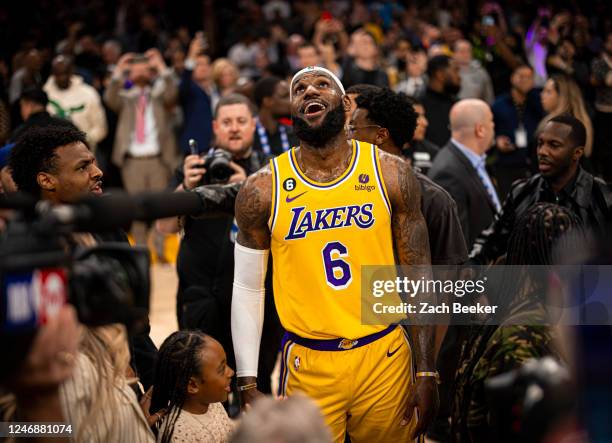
(152, 206)
(91, 213)
(18, 200)
(107, 212)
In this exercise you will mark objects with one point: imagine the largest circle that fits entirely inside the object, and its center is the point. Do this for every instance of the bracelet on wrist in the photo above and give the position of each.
(247, 387)
(434, 374)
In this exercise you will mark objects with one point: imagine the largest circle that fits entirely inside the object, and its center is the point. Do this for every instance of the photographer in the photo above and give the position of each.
(205, 264)
(55, 164)
(145, 145)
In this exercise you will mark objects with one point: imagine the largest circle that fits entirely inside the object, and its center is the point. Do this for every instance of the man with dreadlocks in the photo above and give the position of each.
(192, 378)
(492, 349)
(561, 180)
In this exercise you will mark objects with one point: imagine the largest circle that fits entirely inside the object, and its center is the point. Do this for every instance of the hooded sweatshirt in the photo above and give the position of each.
(79, 103)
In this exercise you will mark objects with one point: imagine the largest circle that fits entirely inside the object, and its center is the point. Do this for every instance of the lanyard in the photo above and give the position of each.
(265, 143)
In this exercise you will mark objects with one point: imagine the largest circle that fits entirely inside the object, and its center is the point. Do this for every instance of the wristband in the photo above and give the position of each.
(247, 387)
(433, 374)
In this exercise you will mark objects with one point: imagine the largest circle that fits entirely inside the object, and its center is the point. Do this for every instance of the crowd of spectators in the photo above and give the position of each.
(435, 51)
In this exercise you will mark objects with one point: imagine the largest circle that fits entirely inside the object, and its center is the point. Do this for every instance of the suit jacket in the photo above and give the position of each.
(163, 96)
(454, 172)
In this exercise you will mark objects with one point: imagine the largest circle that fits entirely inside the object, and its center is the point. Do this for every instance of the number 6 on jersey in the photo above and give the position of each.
(337, 271)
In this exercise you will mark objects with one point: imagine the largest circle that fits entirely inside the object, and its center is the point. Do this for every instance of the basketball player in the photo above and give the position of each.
(306, 208)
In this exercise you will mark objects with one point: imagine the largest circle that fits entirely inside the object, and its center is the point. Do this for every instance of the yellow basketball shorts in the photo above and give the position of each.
(361, 388)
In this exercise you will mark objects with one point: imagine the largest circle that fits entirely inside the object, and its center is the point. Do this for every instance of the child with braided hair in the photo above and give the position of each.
(192, 378)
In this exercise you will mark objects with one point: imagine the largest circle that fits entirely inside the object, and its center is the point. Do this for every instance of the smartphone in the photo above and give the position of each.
(326, 16)
(203, 40)
(193, 147)
(139, 58)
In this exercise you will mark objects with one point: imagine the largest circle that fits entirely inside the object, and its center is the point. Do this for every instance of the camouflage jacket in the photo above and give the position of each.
(490, 351)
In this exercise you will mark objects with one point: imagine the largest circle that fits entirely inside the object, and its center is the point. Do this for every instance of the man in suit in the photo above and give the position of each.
(145, 146)
(460, 166)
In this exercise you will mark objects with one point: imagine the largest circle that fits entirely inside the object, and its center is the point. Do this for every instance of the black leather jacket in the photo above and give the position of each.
(589, 197)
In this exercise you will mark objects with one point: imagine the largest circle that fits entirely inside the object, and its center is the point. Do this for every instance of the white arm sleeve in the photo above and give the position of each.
(248, 307)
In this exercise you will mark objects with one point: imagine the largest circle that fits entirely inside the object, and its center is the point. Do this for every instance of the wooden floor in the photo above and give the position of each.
(163, 302)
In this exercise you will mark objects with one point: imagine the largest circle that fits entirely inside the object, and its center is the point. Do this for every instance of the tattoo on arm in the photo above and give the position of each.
(409, 228)
(253, 204)
(411, 242)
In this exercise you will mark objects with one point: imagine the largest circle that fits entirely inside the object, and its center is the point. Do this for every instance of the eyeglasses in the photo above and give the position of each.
(351, 129)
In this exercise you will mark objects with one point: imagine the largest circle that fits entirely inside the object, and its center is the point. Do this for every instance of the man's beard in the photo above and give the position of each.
(451, 89)
(332, 125)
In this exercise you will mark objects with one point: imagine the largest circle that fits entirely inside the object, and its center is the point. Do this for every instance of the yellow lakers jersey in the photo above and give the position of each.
(322, 233)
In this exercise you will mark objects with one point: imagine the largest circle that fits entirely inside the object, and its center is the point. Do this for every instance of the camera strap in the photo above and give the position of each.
(265, 142)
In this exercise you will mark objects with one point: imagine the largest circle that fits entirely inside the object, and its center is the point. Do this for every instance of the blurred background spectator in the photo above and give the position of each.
(72, 99)
(516, 114)
(145, 145)
(215, 50)
(561, 95)
(475, 81)
(295, 420)
(442, 89)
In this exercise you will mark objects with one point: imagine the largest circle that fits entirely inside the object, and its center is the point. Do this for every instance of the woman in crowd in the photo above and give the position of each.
(561, 95)
(98, 400)
(225, 76)
(192, 378)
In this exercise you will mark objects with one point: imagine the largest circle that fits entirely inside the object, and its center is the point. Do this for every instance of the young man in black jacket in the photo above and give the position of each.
(54, 163)
(561, 180)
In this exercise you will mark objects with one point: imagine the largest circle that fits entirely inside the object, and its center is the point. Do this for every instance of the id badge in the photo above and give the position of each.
(520, 137)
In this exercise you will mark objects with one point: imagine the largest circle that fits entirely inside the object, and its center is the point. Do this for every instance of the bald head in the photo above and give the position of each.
(471, 122)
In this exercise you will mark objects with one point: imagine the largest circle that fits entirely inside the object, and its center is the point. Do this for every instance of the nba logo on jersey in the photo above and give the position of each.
(296, 363)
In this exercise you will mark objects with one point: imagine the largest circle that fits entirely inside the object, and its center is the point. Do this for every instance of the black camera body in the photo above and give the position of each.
(43, 265)
(217, 164)
(42, 268)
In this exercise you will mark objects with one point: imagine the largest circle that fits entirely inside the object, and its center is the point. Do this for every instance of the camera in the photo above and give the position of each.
(528, 402)
(41, 270)
(43, 266)
(217, 164)
(139, 58)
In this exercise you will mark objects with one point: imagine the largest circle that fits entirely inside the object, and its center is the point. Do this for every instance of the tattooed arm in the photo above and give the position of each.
(253, 205)
(411, 243)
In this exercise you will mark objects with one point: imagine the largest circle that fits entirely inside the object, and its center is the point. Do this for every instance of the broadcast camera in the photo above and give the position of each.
(529, 402)
(43, 265)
